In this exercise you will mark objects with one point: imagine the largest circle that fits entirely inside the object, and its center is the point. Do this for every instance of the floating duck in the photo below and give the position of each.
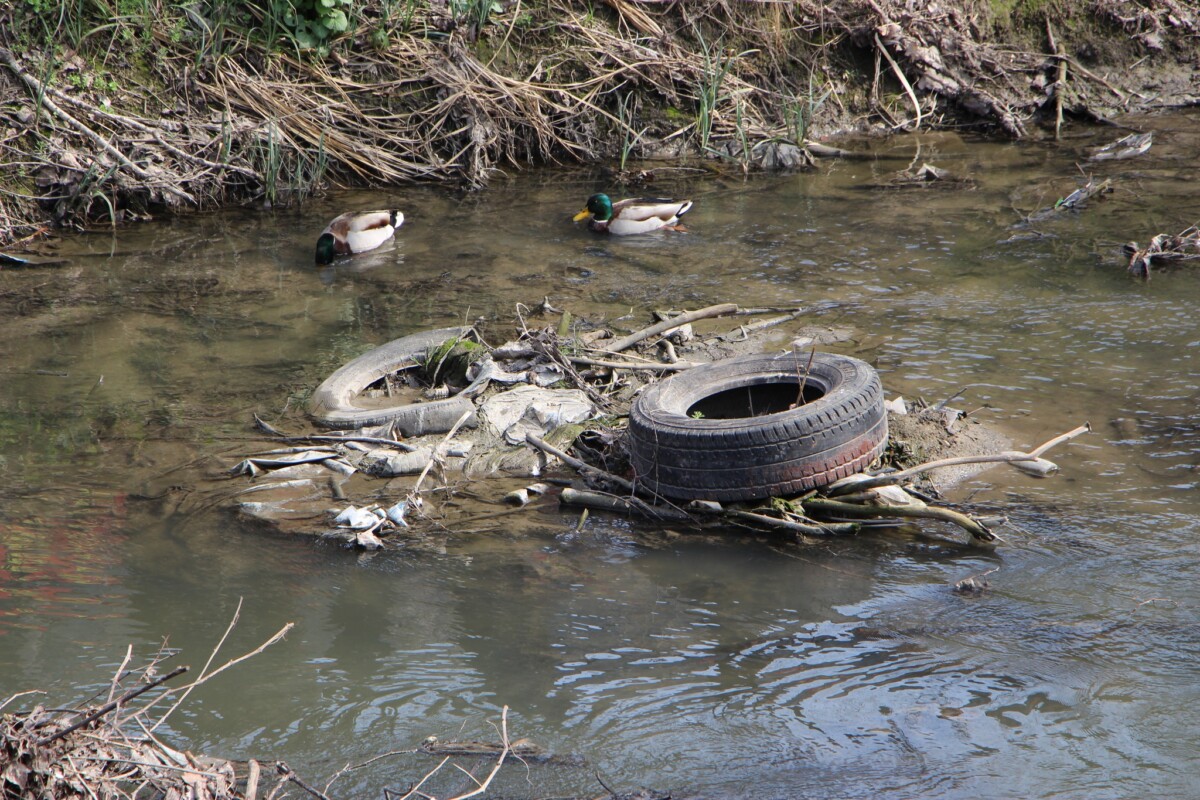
(634, 215)
(359, 232)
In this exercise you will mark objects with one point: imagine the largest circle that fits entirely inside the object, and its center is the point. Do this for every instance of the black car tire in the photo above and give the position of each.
(696, 435)
(334, 403)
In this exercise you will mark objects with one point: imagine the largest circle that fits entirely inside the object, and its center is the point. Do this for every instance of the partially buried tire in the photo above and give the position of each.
(336, 403)
(732, 430)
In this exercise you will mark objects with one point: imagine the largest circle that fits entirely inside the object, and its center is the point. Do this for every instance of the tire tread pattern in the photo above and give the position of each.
(838, 434)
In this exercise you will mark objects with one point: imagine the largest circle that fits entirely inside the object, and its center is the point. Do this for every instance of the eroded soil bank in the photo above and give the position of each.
(109, 115)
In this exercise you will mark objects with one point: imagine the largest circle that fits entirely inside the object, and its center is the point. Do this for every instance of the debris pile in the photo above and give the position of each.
(527, 431)
(92, 752)
(1183, 246)
(109, 747)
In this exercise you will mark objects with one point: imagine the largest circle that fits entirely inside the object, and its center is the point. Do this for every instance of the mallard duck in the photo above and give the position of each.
(634, 215)
(358, 232)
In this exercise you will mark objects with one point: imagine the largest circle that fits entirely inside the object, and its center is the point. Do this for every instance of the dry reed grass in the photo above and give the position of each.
(419, 95)
(436, 103)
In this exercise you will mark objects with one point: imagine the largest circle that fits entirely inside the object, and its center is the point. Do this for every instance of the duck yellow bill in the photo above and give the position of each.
(582, 214)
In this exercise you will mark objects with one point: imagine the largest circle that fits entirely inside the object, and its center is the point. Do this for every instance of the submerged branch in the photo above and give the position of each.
(621, 505)
(836, 508)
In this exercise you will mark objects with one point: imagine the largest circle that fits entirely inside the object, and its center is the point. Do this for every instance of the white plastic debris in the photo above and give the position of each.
(384, 462)
(356, 518)
(340, 466)
(846, 484)
(896, 406)
(396, 513)
(367, 540)
(295, 483)
(252, 466)
(680, 335)
(530, 409)
(517, 497)
(892, 496)
(388, 463)
(523, 496)
(547, 374)
(455, 448)
(261, 510)
(1038, 467)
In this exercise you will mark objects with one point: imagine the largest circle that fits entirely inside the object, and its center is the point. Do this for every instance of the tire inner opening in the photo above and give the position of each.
(754, 401)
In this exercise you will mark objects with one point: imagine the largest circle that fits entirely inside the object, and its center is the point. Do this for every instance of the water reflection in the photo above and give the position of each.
(849, 669)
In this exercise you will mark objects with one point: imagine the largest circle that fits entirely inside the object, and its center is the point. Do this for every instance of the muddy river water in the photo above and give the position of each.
(715, 668)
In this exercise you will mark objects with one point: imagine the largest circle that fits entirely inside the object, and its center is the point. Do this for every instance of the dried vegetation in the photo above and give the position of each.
(109, 747)
(115, 115)
(112, 746)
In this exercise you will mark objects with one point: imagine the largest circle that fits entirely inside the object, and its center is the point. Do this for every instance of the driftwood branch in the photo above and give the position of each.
(416, 490)
(506, 748)
(482, 787)
(668, 324)
(267, 427)
(835, 507)
(581, 466)
(903, 81)
(289, 775)
(1060, 79)
(109, 706)
(205, 675)
(1057, 440)
(157, 135)
(40, 91)
(415, 789)
(856, 483)
(650, 366)
(621, 505)
(753, 327)
(790, 525)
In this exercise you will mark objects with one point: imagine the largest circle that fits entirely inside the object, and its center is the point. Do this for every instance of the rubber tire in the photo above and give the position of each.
(333, 403)
(750, 458)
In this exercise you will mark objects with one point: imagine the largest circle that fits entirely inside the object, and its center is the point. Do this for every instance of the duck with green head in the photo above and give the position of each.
(356, 232)
(633, 215)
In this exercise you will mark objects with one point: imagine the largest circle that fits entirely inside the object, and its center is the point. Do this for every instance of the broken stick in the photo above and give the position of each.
(668, 324)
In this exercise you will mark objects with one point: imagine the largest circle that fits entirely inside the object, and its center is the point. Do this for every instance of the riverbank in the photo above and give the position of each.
(114, 117)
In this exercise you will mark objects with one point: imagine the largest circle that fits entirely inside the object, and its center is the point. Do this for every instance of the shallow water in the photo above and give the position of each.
(708, 668)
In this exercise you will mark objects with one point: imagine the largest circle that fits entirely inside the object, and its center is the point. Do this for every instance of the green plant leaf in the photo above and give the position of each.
(336, 20)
